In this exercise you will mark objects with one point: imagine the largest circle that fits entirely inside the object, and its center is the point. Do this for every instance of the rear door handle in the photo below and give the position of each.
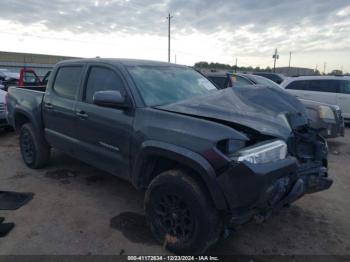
(82, 115)
(48, 106)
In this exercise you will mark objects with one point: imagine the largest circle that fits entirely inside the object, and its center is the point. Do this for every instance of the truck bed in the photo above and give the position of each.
(23, 100)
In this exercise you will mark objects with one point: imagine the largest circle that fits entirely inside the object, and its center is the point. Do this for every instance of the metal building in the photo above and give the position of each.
(295, 71)
(14, 62)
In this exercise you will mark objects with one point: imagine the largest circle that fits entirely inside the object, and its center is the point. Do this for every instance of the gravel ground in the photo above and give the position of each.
(80, 210)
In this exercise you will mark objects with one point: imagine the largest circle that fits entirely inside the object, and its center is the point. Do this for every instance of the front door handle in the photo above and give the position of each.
(48, 106)
(82, 115)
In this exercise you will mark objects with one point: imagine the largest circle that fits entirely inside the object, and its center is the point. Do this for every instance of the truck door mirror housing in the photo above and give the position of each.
(110, 99)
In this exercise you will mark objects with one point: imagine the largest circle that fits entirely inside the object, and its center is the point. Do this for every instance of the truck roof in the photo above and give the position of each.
(119, 61)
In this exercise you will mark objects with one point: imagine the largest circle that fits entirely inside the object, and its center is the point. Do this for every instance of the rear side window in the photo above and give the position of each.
(102, 79)
(67, 81)
(330, 86)
(297, 85)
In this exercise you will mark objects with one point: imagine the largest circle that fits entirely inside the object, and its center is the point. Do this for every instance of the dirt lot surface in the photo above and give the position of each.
(80, 210)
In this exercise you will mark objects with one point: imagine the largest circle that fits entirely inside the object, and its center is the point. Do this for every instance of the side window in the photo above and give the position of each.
(297, 85)
(345, 86)
(67, 81)
(330, 86)
(101, 79)
(220, 82)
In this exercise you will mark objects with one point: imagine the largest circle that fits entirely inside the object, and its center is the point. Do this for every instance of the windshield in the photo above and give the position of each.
(161, 85)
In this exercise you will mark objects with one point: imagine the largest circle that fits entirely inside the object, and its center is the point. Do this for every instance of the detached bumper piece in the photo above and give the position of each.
(268, 187)
(317, 181)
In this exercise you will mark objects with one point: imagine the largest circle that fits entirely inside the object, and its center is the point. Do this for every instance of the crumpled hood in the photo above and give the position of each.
(270, 111)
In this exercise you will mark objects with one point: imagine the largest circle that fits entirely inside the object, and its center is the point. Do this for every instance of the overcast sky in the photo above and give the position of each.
(315, 31)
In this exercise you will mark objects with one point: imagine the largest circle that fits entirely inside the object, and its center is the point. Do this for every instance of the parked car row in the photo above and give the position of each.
(324, 117)
(208, 159)
(7, 79)
(26, 78)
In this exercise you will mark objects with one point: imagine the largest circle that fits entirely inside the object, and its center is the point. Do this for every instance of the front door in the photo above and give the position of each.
(104, 133)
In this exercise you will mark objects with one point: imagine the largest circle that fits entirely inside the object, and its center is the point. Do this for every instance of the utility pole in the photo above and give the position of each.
(290, 58)
(324, 68)
(169, 21)
(236, 66)
(275, 57)
(316, 69)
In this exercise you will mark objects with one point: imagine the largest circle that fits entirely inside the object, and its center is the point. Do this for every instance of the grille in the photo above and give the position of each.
(2, 107)
(339, 115)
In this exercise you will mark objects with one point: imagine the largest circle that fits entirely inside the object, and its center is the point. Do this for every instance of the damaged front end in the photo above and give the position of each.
(311, 151)
(255, 190)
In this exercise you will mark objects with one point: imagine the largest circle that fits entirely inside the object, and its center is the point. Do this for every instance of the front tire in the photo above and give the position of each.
(180, 214)
(35, 151)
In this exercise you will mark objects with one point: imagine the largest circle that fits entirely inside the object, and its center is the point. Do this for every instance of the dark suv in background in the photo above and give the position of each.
(275, 77)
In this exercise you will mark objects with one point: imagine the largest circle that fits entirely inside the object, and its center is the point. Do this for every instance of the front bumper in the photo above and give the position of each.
(332, 130)
(252, 189)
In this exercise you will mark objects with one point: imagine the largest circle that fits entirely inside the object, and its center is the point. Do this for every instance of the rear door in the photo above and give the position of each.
(104, 133)
(322, 90)
(59, 102)
(343, 98)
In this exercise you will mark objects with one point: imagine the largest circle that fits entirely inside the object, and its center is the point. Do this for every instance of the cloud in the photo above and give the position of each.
(251, 27)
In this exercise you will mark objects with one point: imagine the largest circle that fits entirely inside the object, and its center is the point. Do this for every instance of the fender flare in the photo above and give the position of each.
(33, 121)
(182, 155)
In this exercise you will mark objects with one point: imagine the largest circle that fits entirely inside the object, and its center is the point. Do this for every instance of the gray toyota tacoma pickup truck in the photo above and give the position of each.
(208, 159)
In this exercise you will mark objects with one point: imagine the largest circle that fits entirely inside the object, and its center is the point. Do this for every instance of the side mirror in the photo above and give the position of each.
(110, 99)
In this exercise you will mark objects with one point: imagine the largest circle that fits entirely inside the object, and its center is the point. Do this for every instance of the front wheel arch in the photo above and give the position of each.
(202, 171)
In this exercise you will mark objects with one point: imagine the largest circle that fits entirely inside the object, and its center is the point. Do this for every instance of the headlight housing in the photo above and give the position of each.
(263, 152)
(325, 112)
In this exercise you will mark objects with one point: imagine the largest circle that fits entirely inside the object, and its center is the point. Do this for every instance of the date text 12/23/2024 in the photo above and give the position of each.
(173, 258)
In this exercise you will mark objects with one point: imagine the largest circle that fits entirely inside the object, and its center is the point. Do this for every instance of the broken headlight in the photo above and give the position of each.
(325, 112)
(263, 152)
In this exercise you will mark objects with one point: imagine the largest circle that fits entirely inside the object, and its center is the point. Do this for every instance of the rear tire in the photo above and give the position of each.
(35, 151)
(180, 214)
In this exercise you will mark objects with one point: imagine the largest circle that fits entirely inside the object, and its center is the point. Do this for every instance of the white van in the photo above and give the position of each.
(333, 90)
